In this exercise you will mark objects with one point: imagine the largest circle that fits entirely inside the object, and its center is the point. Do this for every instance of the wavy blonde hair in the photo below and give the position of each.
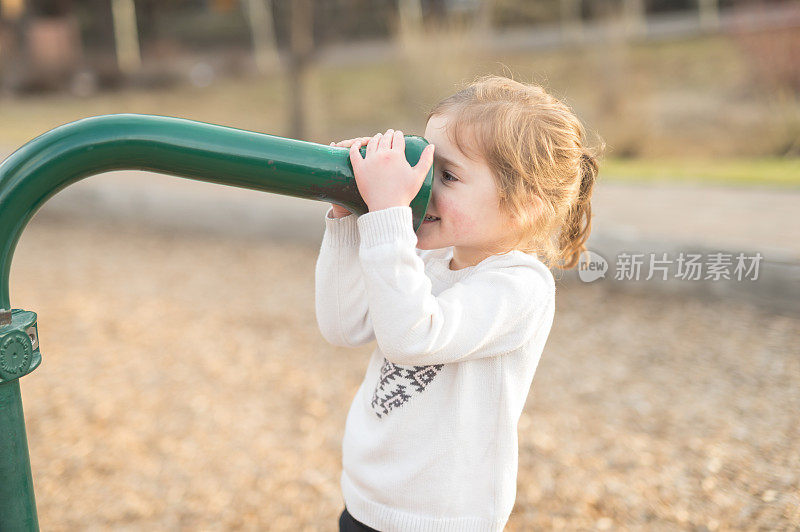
(535, 146)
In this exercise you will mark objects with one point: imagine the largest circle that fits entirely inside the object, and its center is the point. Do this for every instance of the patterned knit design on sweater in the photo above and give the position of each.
(398, 384)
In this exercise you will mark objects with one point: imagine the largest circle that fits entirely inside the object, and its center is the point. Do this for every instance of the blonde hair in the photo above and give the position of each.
(534, 146)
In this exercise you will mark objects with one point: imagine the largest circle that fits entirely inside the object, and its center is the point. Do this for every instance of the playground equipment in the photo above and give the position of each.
(175, 146)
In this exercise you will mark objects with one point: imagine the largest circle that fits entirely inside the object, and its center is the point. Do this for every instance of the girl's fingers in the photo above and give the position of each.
(386, 140)
(355, 156)
(361, 141)
(425, 162)
(372, 145)
(349, 142)
(399, 142)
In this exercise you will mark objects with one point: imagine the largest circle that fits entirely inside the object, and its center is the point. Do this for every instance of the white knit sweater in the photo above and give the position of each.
(430, 441)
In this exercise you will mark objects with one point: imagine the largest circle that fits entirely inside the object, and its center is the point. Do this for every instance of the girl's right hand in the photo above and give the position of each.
(338, 210)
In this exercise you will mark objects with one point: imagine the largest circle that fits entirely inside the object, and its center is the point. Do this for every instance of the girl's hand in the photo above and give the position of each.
(347, 143)
(338, 210)
(384, 177)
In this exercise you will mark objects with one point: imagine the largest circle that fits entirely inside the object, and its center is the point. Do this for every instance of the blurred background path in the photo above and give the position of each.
(654, 217)
(719, 217)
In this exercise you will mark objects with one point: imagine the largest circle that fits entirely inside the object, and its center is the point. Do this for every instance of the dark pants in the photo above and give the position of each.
(347, 523)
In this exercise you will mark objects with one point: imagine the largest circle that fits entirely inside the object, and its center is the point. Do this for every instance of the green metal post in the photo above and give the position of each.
(184, 148)
(19, 355)
(17, 506)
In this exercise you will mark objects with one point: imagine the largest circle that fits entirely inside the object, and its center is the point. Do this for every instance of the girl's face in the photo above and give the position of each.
(465, 198)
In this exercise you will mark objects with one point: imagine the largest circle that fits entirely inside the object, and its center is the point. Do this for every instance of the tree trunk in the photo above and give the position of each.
(262, 29)
(571, 22)
(709, 14)
(302, 43)
(126, 35)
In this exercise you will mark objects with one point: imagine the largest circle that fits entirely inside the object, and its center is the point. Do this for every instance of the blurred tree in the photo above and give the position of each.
(483, 16)
(301, 48)
(259, 16)
(571, 22)
(633, 12)
(338, 20)
(11, 10)
(11, 14)
(126, 36)
(409, 20)
(49, 8)
(520, 13)
(667, 6)
(709, 14)
(97, 25)
(770, 53)
(223, 5)
(48, 45)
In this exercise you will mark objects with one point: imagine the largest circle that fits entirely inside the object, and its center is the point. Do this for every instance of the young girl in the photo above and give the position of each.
(460, 310)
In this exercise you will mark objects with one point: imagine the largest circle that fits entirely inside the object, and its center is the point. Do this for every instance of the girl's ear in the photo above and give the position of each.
(535, 207)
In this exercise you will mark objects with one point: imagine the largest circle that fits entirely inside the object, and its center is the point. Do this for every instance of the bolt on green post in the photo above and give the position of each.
(174, 146)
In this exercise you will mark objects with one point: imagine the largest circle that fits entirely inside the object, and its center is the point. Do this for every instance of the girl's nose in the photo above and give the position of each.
(432, 199)
(435, 184)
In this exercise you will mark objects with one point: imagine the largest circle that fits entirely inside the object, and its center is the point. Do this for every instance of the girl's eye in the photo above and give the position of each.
(446, 174)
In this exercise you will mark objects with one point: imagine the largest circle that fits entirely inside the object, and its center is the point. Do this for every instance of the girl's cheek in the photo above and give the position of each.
(459, 223)
(466, 225)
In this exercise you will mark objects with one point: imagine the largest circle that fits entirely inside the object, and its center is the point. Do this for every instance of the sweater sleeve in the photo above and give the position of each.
(340, 299)
(488, 313)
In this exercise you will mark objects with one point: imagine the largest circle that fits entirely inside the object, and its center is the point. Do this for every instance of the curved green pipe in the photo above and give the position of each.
(166, 145)
(180, 147)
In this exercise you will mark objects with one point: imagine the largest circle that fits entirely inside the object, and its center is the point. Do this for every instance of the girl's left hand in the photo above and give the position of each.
(384, 177)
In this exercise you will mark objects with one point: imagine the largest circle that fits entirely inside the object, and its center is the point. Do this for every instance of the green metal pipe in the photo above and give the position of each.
(17, 502)
(166, 145)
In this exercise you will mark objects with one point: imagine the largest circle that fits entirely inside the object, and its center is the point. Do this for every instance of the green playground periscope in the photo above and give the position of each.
(166, 145)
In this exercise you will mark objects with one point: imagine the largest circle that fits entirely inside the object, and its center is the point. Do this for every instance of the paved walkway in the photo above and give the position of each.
(724, 218)
(715, 217)
(718, 224)
(628, 218)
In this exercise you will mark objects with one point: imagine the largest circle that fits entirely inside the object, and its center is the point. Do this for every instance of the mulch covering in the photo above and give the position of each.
(185, 385)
